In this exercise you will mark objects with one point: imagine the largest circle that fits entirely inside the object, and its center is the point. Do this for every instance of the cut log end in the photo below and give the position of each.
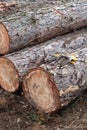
(9, 78)
(39, 88)
(4, 40)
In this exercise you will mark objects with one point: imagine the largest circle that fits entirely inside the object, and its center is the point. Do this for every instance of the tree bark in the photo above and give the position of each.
(29, 27)
(70, 79)
(9, 77)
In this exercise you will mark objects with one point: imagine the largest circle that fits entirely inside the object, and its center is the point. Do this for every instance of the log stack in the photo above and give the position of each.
(48, 50)
(27, 27)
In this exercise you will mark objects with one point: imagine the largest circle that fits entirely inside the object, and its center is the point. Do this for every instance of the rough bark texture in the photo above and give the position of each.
(70, 79)
(40, 89)
(27, 27)
(9, 78)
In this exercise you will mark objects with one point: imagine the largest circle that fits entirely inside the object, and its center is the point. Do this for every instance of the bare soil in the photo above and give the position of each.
(17, 114)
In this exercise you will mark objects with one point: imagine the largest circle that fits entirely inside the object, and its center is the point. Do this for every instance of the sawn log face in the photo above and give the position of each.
(9, 77)
(40, 89)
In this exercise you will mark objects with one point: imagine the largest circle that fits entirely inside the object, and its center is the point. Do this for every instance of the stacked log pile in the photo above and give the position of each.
(50, 63)
(33, 27)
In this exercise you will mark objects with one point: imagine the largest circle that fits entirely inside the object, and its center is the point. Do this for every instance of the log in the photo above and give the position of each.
(9, 78)
(26, 28)
(4, 40)
(39, 86)
(70, 79)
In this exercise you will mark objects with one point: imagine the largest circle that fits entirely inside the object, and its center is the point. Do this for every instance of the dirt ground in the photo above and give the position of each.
(17, 114)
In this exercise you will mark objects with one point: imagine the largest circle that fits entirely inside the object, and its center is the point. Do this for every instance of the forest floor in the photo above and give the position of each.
(17, 114)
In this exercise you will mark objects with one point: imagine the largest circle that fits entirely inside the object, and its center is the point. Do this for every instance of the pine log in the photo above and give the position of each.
(4, 40)
(70, 79)
(9, 78)
(28, 27)
(39, 86)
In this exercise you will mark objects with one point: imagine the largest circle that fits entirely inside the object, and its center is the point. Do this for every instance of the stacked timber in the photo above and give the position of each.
(55, 83)
(27, 27)
(52, 73)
